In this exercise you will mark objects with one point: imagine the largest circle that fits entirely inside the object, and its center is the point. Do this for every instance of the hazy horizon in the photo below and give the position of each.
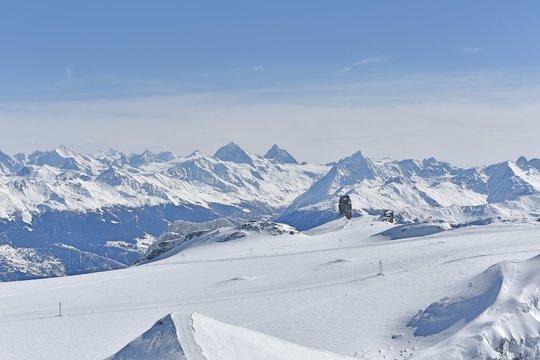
(320, 80)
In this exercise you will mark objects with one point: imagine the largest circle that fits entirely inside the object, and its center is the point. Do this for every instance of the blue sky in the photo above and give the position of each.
(82, 48)
(57, 55)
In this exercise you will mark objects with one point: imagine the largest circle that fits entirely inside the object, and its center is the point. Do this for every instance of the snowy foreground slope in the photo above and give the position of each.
(495, 315)
(318, 289)
(197, 337)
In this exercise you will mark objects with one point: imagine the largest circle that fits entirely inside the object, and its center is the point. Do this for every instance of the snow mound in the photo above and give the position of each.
(413, 230)
(236, 279)
(337, 262)
(197, 337)
(494, 316)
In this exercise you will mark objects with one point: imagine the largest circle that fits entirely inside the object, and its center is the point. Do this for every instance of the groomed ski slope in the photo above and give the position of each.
(309, 289)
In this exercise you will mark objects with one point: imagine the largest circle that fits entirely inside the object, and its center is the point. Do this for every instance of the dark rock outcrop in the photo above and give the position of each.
(345, 206)
(388, 216)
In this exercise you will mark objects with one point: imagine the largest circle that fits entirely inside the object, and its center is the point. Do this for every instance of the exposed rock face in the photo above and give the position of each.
(269, 227)
(184, 234)
(345, 206)
(179, 232)
(522, 163)
(388, 216)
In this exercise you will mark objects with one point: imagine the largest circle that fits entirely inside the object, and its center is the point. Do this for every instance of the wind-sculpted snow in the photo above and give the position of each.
(413, 231)
(197, 337)
(493, 316)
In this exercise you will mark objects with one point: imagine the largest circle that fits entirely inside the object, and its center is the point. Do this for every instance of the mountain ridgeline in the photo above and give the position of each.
(62, 212)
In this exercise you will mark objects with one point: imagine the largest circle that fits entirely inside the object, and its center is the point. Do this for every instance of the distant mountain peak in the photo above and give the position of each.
(145, 158)
(165, 156)
(522, 163)
(356, 160)
(7, 163)
(282, 155)
(195, 154)
(64, 151)
(233, 153)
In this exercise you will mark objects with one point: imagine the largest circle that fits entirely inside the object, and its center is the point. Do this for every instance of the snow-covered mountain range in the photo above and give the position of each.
(423, 191)
(62, 212)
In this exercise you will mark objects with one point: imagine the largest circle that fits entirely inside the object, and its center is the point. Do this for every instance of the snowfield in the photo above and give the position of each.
(317, 290)
(198, 337)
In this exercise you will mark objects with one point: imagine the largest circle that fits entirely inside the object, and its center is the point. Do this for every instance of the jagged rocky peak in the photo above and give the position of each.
(65, 152)
(354, 168)
(145, 158)
(195, 154)
(8, 163)
(434, 167)
(281, 155)
(522, 163)
(111, 153)
(535, 163)
(233, 153)
(165, 156)
(355, 159)
(56, 158)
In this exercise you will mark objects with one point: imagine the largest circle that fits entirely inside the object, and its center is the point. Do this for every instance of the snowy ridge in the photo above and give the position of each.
(62, 180)
(422, 191)
(495, 316)
(281, 155)
(178, 233)
(183, 235)
(109, 206)
(197, 337)
(103, 204)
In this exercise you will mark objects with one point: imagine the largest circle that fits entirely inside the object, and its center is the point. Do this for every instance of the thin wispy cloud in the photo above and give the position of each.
(471, 49)
(366, 61)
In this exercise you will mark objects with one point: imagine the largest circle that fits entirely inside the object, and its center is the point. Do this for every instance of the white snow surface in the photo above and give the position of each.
(63, 180)
(496, 315)
(418, 191)
(318, 290)
(198, 337)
